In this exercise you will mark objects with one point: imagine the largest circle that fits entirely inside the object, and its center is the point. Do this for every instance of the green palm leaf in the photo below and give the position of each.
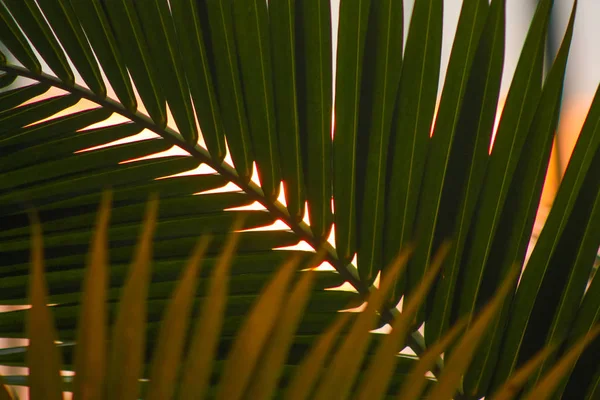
(183, 99)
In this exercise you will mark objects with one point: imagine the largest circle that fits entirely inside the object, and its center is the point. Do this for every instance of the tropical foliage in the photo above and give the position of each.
(255, 362)
(250, 86)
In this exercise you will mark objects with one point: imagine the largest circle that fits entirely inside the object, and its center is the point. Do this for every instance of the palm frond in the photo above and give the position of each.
(214, 104)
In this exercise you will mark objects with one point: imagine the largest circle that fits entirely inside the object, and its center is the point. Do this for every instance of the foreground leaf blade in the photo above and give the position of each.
(170, 342)
(582, 373)
(344, 366)
(384, 361)
(515, 383)
(308, 373)
(415, 383)
(129, 330)
(4, 395)
(265, 379)
(252, 336)
(461, 356)
(199, 363)
(90, 353)
(547, 385)
(43, 358)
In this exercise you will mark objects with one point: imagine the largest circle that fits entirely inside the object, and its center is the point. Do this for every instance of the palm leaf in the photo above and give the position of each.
(250, 84)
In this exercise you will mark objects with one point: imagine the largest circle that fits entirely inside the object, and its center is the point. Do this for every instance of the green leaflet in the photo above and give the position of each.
(159, 32)
(65, 146)
(48, 130)
(352, 33)
(516, 224)
(544, 122)
(315, 104)
(130, 39)
(382, 67)
(468, 161)
(515, 123)
(180, 206)
(229, 87)
(15, 97)
(13, 119)
(285, 84)
(577, 248)
(32, 22)
(98, 31)
(7, 79)
(430, 224)
(587, 316)
(137, 192)
(566, 320)
(251, 24)
(82, 162)
(191, 37)
(65, 26)
(410, 137)
(165, 229)
(95, 181)
(14, 40)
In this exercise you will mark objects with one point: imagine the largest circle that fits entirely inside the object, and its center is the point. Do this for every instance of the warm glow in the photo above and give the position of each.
(278, 225)
(344, 287)
(114, 119)
(143, 135)
(331, 238)
(255, 177)
(173, 151)
(332, 123)
(499, 110)
(201, 169)
(230, 187)
(281, 197)
(301, 246)
(434, 119)
(306, 218)
(256, 206)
